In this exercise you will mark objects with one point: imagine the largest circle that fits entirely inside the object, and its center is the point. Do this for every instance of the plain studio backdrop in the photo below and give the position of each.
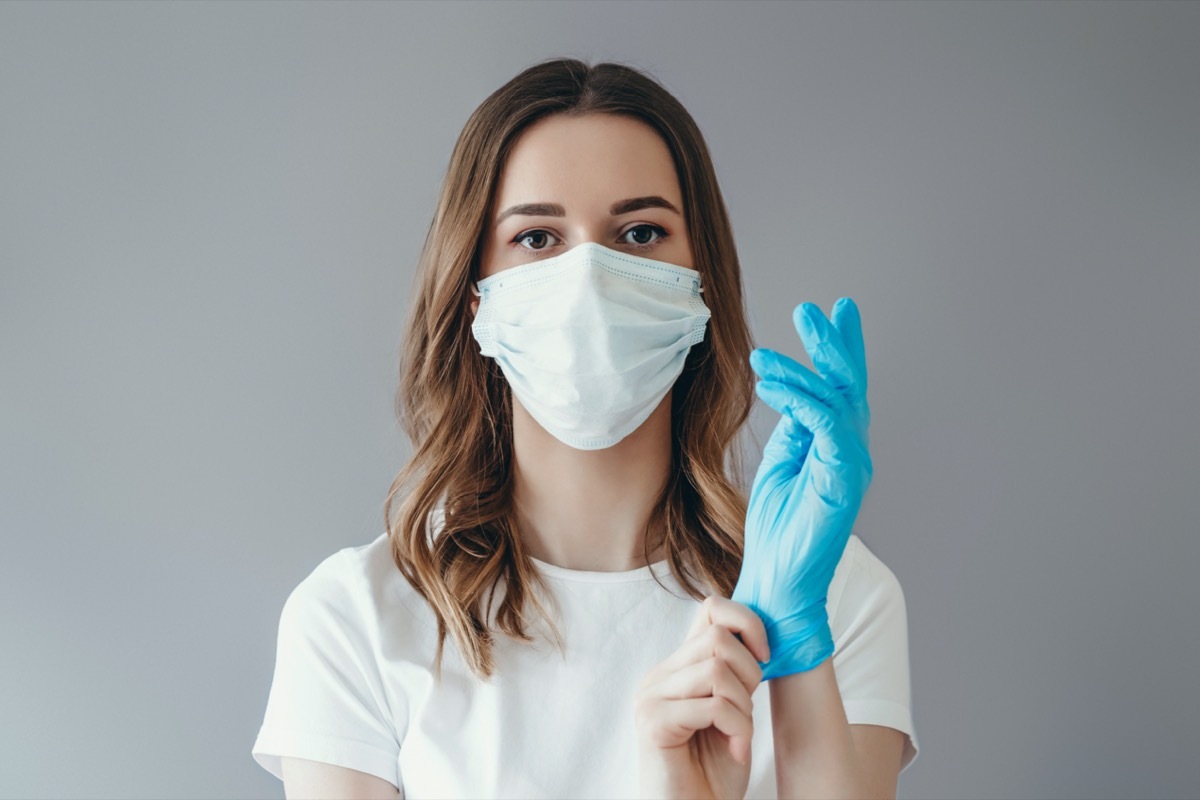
(210, 215)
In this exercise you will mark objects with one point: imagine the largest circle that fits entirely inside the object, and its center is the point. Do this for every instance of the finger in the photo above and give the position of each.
(742, 643)
(690, 671)
(773, 366)
(829, 437)
(740, 658)
(826, 349)
(715, 640)
(698, 713)
(847, 320)
(784, 452)
(711, 677)
(735, 617)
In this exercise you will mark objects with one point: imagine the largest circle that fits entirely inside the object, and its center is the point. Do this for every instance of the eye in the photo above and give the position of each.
(536, 234)
(641, 236)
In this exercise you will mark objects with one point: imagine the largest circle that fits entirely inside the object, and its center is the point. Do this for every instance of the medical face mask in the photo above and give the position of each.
(591, 340)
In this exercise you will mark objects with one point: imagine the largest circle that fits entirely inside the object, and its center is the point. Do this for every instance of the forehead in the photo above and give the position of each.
(587, 162)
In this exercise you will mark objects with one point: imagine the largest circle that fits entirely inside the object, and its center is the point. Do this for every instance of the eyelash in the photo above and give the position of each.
(662, 235)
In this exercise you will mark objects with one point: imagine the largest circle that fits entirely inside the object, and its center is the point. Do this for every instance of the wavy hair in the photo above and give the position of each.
(456, 406)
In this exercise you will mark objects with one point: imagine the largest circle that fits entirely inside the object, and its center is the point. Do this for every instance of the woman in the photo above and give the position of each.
(574, 375)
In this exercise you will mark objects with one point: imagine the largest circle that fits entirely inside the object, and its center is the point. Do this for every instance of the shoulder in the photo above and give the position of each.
(335, 696)
(359, 587)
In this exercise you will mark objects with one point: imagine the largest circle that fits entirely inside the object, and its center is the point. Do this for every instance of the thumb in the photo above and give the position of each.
(783, 455)
(790, 440)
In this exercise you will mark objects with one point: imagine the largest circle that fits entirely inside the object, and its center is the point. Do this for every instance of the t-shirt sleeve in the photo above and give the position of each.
(870, 630)
(326, 701)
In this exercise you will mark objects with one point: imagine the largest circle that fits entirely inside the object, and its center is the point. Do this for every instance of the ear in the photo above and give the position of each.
(474, 307)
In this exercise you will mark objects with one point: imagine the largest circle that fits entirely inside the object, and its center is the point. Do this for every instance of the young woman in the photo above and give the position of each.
(573, 596)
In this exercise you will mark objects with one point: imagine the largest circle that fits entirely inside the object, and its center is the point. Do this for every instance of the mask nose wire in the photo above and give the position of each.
(477, 293)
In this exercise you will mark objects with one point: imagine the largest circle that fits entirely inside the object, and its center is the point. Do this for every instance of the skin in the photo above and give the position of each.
(588, 510)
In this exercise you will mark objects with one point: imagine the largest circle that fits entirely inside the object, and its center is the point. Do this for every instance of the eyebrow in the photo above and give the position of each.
(618, 208)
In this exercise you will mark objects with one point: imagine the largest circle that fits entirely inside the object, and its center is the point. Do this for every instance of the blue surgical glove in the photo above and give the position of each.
(815, 471)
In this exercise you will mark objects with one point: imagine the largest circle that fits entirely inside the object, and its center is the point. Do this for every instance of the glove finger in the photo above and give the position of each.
(830, 439)
(827, 350)
(773, 366)
(789, 444)
(848, 321)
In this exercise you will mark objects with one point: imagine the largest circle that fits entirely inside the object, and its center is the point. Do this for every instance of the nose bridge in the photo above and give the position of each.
(588, 235)
(593, 225)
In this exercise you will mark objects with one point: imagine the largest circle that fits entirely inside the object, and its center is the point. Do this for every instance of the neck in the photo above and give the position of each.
(589, 509)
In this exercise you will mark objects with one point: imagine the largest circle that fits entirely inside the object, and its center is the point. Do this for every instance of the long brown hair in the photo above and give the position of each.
(456, 406)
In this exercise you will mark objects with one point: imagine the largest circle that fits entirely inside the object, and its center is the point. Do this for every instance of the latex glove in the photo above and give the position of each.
(809, 487)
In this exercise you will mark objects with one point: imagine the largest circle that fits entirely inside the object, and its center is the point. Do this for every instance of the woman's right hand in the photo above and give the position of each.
(693, 711)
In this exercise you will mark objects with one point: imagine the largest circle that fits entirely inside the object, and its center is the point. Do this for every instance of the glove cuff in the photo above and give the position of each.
(799, 643)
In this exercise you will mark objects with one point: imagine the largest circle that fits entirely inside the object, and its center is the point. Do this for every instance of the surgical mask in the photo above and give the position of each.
(591, 340)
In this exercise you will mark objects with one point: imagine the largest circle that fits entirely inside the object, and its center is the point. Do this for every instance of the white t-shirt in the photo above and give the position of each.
(354, 685)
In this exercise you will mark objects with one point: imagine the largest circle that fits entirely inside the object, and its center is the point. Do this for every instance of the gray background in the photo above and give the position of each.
(210, 216)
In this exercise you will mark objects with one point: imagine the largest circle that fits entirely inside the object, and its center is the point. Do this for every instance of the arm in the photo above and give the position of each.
(304, 779)
(817, 753)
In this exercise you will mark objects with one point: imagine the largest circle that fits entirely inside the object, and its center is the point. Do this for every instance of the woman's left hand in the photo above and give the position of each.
(815, 472)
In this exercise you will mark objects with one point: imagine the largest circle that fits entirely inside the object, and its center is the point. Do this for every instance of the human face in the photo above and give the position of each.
(596, 178)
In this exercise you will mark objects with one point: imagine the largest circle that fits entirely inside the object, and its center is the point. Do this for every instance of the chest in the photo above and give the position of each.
(553, 724)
